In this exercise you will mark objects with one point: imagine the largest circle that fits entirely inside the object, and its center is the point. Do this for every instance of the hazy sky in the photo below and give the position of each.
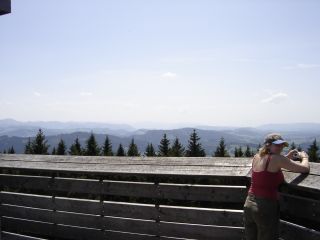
(146, 62)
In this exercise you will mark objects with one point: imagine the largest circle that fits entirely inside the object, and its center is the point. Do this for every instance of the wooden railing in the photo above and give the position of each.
(69, 197)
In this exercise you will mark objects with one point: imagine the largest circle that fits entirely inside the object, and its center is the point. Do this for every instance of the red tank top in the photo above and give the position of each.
(265, 183)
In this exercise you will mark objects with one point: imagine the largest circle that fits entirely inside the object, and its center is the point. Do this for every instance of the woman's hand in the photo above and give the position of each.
(303, 154)
(292, 153)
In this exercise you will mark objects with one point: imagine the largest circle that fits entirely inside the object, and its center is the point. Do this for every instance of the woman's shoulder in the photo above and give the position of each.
(256, 156)
(256, 159)
(277, 157)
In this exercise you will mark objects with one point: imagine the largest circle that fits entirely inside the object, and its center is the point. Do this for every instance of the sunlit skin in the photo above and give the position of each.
(276, 148)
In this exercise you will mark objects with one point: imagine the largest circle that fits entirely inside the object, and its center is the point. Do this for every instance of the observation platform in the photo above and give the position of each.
(86, 197)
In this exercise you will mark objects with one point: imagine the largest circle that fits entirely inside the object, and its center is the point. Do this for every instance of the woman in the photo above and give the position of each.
(261, 209)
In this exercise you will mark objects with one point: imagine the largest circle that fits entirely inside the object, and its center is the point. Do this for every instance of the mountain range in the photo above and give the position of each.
(15, 133)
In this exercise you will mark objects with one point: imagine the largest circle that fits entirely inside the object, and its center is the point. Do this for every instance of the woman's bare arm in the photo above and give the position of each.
(294, 166)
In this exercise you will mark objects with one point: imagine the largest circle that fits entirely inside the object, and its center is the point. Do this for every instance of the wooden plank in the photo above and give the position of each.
(25, 182)
(92, 186)
(183, 161)
(35, 214)
(131, 225)
(309, 210)
(130, 210)
(212, 193)
(305, 181)
(126, 188)
(201, 161)
(86, 206)
(78, 233)
(290, 231)
(27, 227)
(203, 232)
(105, 169)
(314, 169)
(117, 235)
(163, 178)
(173, 238)
(79, 220)
(24, 159)
(27, 200)
(116, 159)
(74, 185)
(205, 216)
(49, 230)
(14, 236)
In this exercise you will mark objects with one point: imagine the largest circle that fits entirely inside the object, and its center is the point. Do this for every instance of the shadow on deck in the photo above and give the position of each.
(77, 197)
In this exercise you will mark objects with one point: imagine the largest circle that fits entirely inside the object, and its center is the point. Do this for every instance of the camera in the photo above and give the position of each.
(296, 156)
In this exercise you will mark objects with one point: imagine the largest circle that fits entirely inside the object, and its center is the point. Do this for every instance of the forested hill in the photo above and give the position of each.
(208, 138)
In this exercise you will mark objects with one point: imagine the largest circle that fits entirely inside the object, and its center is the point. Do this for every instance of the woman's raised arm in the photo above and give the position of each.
(294, 166)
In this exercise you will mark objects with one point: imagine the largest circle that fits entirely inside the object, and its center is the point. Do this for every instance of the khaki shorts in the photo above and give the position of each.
(261, 218)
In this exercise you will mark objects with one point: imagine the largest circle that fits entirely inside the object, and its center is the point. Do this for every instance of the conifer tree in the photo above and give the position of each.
(107, 147)
(313, 152)
(177, 150)
(194, 147)
(11, 150)
(39, 144)
(164, 146)
(4, 151)
(221, 150)
(61, 150)
(236, 152)
(92, 148)
(120, 151)
(54, 151)
(28, 147)
(299, 148)
(240, 152)
(293, 146)
(75, 148)
(248, 152)
(150, 150)
(133, 149)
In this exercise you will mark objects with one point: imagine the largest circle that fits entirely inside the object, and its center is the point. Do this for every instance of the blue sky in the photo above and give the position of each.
(159, 62)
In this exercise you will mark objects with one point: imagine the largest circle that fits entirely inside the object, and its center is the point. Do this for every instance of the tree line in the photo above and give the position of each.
(39, 145)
